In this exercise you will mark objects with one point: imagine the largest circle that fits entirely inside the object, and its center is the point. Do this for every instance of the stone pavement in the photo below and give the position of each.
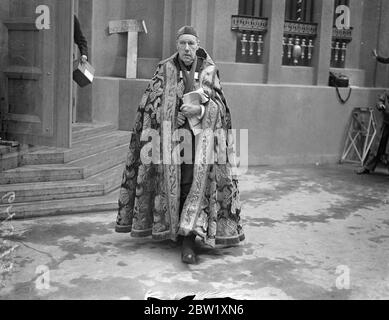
(312, 233)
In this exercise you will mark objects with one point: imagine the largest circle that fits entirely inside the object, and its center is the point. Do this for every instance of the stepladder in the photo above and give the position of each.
(361, 132)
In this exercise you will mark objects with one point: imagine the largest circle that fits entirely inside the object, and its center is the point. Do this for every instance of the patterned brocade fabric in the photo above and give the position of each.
(149, 199)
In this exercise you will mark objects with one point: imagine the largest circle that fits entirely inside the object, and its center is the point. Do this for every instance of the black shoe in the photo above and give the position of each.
(180, 240)
(362, 171)
(188, 256)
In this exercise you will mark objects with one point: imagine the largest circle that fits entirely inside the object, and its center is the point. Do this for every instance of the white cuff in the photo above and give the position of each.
(202, 112)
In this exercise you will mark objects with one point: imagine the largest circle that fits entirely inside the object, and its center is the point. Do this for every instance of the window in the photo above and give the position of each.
(299, 33)
(251, 28)
(340, 40)
(251, 8)
(340, 3)
(299, 10)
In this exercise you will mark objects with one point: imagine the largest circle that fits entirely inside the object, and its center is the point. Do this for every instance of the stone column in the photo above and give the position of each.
(176, 14)
(323, 15)
(84, 95)
(382, 70)
(224, 42)
(167, 28)
(354, 47)
(274, 10)
(370, 23)
(199, 19)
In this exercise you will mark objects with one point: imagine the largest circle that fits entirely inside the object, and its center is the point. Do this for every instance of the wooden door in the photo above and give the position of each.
(38, 72)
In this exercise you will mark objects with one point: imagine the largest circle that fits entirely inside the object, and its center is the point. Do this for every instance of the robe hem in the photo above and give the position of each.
(141, 233)
(168, 236)
(123, 229)
(230, 241)
(145, 233)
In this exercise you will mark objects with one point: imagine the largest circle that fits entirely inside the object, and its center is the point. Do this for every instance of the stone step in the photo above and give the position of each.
(9, 161)
(12, 144)
(81, 149)
(44, 155)
(10, 157)
(82, 130)
(91, 205)
(44, 191)
(40, 173)
(111, 178)
(101, 161)
(5, 149)
(96, 144)
(77, 170)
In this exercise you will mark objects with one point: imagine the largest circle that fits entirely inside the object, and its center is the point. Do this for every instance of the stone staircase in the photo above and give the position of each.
(50, 181)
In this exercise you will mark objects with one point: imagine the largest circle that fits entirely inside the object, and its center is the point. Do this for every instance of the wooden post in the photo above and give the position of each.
(132, 28)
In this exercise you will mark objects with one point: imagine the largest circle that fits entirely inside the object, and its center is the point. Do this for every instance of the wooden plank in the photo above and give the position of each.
(121, 26)
(132, 27)
(132, 55)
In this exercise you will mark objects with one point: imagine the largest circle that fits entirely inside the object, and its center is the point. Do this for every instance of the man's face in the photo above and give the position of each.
(187, 46)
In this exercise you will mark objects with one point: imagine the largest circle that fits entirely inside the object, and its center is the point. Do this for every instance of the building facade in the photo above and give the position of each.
(274, 58)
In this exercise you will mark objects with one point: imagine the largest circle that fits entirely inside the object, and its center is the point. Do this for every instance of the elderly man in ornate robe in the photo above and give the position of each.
(167, 191)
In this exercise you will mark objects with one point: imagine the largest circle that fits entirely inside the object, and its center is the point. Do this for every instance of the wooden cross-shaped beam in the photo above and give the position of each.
(132, 28)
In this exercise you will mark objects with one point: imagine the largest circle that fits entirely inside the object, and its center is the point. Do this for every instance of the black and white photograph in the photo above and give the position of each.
(196, 150)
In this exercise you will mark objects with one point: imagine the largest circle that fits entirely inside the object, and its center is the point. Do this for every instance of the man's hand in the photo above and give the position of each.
(381, 107)
(191, 110)
(181, 119)
(83, 59)
(375, 54)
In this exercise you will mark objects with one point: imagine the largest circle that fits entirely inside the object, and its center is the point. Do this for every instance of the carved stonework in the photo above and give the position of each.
(340, 40)
(298, 43)
(345, 35)
(244, 23)
(300, 29)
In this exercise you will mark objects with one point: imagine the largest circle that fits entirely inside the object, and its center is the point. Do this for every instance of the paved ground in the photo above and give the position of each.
(311, 231)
